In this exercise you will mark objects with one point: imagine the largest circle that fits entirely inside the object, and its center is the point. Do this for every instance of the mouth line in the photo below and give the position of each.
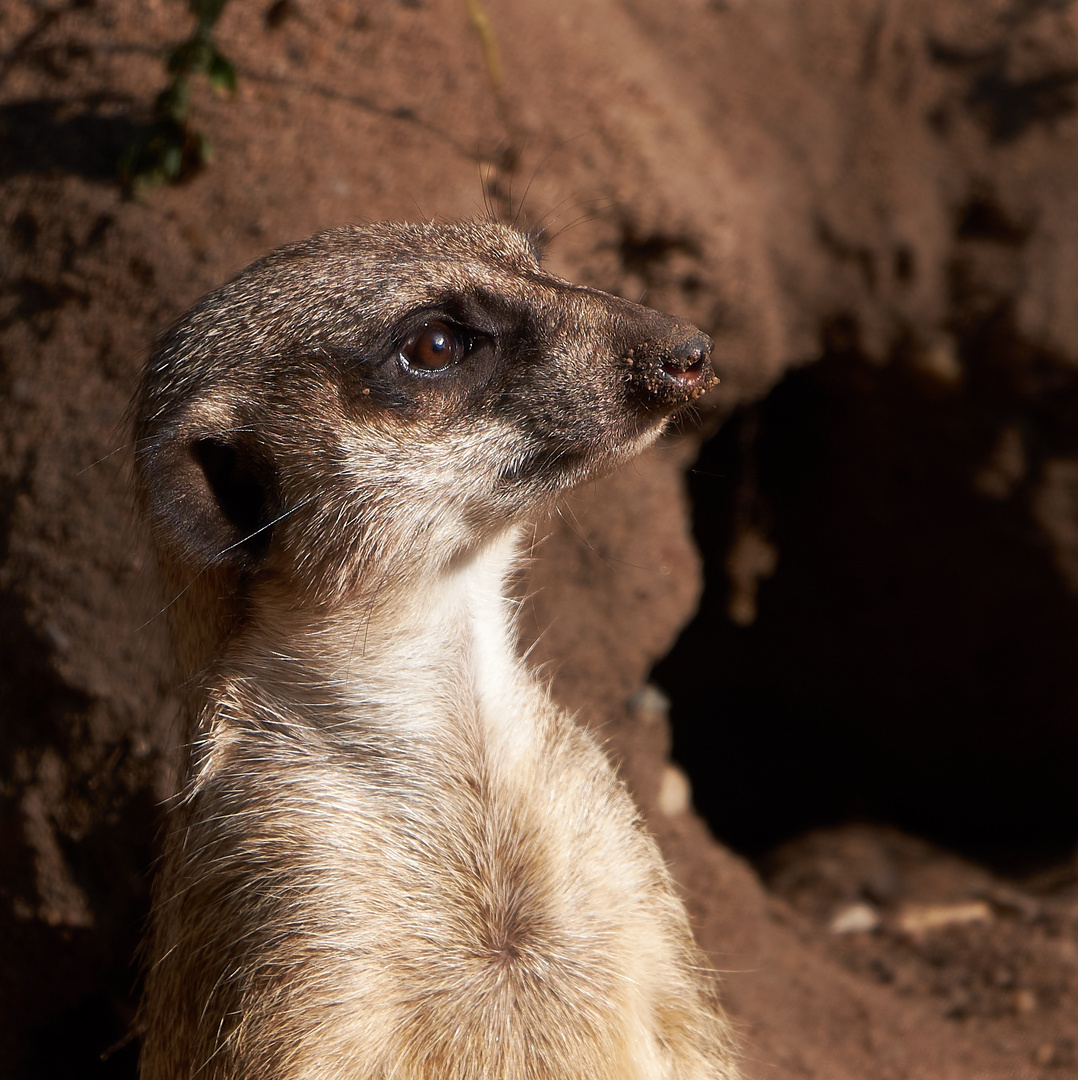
(562, 462)
(555, 460)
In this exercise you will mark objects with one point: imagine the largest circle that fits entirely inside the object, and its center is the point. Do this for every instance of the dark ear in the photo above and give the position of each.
(242, 483)
(214, 496)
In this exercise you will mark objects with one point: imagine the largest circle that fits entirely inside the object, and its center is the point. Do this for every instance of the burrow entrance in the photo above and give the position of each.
(888, 632)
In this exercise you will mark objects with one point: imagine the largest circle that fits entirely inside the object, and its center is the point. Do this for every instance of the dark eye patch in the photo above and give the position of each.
(454, 346)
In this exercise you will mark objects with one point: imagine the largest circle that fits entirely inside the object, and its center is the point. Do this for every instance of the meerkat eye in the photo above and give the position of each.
(435, 347)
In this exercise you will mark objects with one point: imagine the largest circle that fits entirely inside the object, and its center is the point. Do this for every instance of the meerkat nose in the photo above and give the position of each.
(687, 362)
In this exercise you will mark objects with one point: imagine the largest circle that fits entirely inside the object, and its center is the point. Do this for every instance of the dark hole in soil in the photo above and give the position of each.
(912, 656)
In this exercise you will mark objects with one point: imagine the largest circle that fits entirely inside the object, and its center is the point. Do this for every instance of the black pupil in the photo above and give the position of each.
(434, 348)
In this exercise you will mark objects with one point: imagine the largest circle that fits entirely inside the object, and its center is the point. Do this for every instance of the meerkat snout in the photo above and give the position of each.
(394, 856)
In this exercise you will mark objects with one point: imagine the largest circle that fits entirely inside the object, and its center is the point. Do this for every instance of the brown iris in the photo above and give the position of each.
(435, 347)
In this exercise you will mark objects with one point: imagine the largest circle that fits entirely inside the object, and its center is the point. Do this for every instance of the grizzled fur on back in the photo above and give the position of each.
(393, 855)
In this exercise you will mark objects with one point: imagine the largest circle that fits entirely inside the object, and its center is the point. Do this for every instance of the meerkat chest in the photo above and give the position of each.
(443, 835)
(471, 895)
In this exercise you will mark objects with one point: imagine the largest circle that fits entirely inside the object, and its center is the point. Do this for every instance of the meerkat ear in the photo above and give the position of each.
(242, 485)
(212, 495)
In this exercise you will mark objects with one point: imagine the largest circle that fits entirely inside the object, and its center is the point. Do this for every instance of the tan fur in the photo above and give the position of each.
(394, 857)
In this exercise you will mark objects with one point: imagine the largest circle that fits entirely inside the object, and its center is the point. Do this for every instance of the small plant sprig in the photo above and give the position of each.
(168, 149)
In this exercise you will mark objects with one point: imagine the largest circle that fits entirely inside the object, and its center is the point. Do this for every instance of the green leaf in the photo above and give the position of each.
(193, 55)
(222, 73)
(203, 149)
(206, 11)
(174, 102)
(172, 161)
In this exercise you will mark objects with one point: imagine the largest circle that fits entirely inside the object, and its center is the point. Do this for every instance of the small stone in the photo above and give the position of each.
(675, 792)
(856, 918)
(939, 360)
(922, 918)
(650, 703)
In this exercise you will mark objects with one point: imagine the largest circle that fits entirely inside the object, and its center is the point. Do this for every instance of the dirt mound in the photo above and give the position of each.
(886, 186)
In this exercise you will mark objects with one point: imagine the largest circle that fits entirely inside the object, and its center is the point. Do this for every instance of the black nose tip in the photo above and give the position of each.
(672, 368)
(686, 361)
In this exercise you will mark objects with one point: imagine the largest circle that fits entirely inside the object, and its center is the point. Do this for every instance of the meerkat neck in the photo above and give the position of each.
(412, 657)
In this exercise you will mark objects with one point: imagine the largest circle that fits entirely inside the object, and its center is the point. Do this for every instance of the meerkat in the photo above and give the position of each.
(393, 857)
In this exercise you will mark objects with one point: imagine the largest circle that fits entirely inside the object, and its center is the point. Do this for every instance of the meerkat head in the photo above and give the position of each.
(380, 399)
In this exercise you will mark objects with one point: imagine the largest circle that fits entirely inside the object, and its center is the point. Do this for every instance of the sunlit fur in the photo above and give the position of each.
(393, 857)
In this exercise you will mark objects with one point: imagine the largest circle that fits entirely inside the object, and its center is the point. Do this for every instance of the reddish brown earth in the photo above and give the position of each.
(890, 534)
